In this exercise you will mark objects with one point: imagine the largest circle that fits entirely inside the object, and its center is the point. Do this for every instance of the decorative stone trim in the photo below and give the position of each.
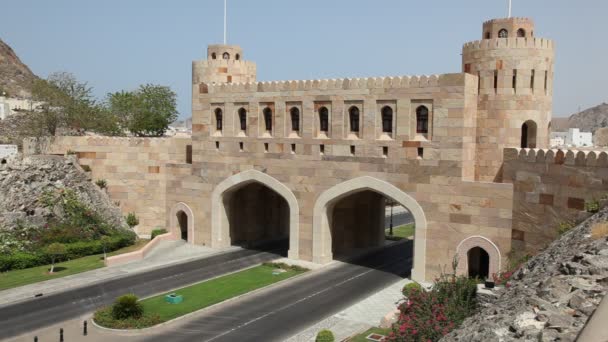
(477, 241)
(174, 224)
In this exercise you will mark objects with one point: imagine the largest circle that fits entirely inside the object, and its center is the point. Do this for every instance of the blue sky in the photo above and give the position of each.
(120, 44)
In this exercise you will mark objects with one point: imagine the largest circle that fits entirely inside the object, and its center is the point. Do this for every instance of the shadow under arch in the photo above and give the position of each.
(220, 233)
(175, 224)
(322, 240)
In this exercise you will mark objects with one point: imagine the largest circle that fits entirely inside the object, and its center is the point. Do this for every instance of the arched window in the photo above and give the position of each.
(323, 119)
(226, 55)
(213, 56)
(295, 119)
(422, 120)
(387, 119)
(353, 115)
(503, 34)
(238, 57)
(528, 134)
(521, 33)
(268, 119)
(243, 119)
(218, 119)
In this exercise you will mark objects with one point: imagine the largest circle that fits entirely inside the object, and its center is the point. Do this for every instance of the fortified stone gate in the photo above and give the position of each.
(315, 162)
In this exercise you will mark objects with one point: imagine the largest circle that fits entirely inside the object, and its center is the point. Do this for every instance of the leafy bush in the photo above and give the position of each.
(104, 318)
(409, 287)
(132, 220)
(21, 260)
(592, 206)
(127, 306)
(157, 232)
(564, 227)
(428, 316)
(101, 183)
(325, 336)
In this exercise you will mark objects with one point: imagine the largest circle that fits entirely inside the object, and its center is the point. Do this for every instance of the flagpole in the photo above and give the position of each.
(225, 22)
(510, 7)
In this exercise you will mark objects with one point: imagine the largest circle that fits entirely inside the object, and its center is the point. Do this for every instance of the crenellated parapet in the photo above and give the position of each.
(508, 43)
(330, 84)
(598, 158)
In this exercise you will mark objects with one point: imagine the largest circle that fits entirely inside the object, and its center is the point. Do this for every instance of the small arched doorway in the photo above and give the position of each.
(182, 221)
(478, 263)
(528, 134)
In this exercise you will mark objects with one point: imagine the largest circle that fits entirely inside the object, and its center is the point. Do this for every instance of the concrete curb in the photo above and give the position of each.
(198, 312)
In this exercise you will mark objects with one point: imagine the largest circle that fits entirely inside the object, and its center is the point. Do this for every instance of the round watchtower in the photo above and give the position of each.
(515, 90)
(224, 64)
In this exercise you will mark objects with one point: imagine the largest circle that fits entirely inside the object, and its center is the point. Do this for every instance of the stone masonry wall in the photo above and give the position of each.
(134, 168)
(551, 188)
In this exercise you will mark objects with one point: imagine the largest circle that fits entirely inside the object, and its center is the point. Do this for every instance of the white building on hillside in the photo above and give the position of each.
(10, 105)
(573, 138)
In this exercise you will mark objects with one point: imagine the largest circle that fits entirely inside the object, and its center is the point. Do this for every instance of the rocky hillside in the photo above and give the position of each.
(23, 181)
(588, 120)
(552, 295)
(15, 77)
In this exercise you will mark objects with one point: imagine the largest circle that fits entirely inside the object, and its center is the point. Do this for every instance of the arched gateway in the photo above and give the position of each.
(220, 207)
(322, 239)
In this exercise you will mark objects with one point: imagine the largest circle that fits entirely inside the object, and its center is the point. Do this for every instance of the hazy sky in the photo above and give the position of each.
(119, 44)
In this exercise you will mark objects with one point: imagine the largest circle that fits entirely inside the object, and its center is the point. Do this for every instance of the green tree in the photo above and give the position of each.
(67, 103)
(147, 111)
(55, 250)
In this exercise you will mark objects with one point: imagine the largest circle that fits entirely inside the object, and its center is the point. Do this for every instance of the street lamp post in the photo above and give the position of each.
(390, 232)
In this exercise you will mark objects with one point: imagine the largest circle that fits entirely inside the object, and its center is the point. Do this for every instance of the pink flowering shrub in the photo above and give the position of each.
(429, 315)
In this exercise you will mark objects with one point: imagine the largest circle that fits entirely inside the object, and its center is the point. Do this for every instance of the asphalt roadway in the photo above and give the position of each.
(43, 311)
(272, 314)
(281, 312)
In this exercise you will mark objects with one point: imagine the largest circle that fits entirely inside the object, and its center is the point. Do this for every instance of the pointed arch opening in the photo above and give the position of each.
(219, 119)
(335, 212)
(254, 210)
(323, 119)
(181, 222)
(268, 119)
(478, 257)
(387, 120)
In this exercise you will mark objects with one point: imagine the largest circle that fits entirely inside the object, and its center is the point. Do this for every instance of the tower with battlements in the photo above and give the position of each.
(515, 86)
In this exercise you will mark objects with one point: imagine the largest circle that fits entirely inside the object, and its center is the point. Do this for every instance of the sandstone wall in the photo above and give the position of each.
(551, 188)
(134, 168)
(435, 169)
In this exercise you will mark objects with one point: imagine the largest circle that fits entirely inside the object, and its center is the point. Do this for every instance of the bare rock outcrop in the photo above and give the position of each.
(552, 296)
(15, 77)
(24, 180)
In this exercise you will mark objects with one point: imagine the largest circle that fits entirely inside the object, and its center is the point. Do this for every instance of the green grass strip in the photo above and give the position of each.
(37, 274)
(403, 231)
(211, 292)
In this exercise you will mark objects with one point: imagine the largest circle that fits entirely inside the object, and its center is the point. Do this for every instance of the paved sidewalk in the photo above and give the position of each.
(166, 253)
(358, 317)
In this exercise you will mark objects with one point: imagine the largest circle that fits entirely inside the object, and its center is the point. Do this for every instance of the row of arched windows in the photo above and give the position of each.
(422, 119)
(504, 33)
(225, 55)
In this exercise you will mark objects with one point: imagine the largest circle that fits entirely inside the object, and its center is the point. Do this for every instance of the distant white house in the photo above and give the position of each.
(7, 151)
(573, 138)
(10, 105)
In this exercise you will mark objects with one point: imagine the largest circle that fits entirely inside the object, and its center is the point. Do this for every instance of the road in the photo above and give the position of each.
(44, 311)
(279, 313)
